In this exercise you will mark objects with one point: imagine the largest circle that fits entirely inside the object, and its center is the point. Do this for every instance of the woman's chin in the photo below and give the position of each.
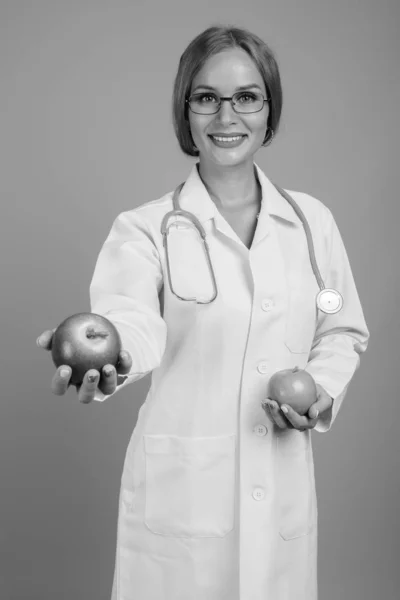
(226, 158)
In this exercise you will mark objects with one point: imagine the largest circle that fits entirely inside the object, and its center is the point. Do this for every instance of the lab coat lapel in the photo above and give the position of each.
(273, 205)
(195, 199)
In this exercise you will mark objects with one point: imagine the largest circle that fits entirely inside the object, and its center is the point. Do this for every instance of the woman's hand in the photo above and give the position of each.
(285, 417)
(106, 381)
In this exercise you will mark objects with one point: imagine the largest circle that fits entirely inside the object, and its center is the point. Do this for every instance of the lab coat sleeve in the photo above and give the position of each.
(125, 289)
(340, 338)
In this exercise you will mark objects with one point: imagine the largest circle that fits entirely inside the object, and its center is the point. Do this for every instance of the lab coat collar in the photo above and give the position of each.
(272, 200)
(195, 198)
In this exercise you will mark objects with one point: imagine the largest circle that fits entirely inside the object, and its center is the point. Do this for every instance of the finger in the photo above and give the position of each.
(265, 407)
(44, 340)
(300, 422)
(124, 362)
(293, 417)
(108, 380)
(60, 381)
(88, 388)
(276, 414)
(267, 410)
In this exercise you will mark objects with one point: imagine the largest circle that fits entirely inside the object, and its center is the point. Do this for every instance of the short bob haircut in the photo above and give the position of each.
(212, 41)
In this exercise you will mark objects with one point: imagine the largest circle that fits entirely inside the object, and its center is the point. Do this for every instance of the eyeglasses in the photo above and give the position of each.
(207, 103)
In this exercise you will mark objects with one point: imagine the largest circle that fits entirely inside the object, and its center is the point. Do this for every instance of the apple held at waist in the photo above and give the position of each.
(294, 387)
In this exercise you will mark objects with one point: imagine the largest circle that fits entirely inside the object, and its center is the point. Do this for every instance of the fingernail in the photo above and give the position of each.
(108, 372)
(92, 378)
(64, 372)
(38, 342)
(284, 409)
(316, 414)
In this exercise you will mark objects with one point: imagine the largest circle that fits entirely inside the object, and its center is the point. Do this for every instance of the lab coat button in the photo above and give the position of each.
(258, 494)
(263, 367)
(260, 430)
(267, 304)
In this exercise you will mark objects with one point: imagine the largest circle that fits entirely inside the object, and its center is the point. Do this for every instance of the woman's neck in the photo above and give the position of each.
(231, 188)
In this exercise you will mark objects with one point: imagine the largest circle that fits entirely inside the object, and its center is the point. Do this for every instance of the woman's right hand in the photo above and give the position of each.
(106, 381)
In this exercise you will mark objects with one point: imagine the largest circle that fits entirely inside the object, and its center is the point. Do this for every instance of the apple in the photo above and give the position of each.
(85, 341)
(294, 387)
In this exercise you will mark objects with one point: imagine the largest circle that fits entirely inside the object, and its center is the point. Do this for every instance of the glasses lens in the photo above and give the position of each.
(248, 102)
(204, 104)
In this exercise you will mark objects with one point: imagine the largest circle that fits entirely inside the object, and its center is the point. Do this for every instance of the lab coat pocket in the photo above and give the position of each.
(190, 485)
(295, 484)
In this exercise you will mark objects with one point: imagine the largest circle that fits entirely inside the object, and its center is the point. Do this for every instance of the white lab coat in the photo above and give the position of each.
(216, 503)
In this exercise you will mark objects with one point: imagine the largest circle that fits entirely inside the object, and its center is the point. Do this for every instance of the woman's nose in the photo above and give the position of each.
(226, 114)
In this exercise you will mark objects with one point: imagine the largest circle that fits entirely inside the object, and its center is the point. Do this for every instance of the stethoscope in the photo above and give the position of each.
(328, 300)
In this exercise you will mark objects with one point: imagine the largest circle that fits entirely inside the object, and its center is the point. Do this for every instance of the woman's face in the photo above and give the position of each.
(224, 74)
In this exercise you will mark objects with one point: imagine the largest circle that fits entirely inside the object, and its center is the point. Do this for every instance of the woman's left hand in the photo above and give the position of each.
(291, 419)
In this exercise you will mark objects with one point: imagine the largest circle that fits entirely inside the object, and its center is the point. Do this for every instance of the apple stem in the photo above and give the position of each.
(296, 369)
(92, 333)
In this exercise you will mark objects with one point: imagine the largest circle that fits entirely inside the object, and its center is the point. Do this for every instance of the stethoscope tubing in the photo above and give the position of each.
(328, 300)
(178, 211)
(307, 231)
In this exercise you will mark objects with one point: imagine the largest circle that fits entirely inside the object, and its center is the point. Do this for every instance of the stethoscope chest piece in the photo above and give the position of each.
(329, 301)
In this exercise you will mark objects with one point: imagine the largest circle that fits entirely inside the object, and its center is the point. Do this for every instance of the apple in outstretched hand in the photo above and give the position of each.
(85, 341)
(294, 387)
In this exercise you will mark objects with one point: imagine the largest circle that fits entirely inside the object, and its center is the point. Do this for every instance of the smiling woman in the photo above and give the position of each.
(256, 58)
(227, 104)
(218, 497)
(226, 73)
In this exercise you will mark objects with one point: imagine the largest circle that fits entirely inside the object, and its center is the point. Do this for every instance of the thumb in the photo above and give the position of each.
(45, 339)
(324, 401)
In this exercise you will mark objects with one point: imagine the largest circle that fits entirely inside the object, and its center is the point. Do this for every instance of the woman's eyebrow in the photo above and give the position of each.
(238, 89)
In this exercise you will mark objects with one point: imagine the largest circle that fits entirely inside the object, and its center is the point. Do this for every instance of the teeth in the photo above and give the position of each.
(227, 139)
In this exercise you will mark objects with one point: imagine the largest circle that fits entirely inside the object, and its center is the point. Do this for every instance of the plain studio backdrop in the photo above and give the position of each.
(86, 133)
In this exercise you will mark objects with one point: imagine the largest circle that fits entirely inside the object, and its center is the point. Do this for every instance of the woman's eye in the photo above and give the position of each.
(207, 98)
(246, 98)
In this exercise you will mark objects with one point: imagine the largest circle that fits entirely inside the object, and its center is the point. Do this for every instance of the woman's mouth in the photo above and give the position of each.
(227, 141)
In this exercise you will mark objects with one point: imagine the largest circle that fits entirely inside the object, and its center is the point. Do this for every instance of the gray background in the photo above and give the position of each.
(85, 133)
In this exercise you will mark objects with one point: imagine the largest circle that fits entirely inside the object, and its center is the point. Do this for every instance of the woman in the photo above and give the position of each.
(218, 496)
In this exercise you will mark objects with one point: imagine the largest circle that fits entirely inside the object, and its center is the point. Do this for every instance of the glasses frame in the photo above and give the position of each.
(227, 98)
